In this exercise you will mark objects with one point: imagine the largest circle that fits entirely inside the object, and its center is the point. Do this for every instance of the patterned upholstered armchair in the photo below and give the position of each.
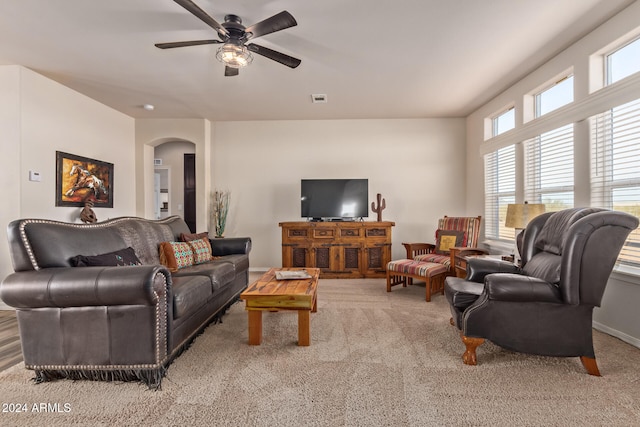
(454, 234)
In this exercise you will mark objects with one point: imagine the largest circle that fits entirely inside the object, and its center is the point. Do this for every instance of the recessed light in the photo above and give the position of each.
(148, 107)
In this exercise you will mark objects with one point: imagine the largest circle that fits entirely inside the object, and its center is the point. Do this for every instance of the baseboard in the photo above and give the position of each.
(616, 333)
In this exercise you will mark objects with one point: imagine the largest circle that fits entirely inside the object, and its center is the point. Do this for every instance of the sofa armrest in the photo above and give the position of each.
(85, 286)
(519, 288)
(478, 268)
(231, 246)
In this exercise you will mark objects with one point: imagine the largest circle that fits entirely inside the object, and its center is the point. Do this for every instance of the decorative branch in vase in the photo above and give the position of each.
(220, 207)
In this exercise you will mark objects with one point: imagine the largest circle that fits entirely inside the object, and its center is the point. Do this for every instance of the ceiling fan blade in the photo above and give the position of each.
(203, 16)
(287, 60)
(230, 71)
(277, 22)
(184, 44)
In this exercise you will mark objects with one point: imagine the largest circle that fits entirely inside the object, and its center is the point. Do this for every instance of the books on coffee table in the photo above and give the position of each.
(292, 275)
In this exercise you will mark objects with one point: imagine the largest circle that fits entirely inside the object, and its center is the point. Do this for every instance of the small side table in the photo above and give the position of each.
(462, 257)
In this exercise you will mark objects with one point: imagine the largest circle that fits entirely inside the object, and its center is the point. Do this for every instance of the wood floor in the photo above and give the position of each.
(10, 351)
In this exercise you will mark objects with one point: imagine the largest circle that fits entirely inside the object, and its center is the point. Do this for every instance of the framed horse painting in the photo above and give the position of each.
(80, 179)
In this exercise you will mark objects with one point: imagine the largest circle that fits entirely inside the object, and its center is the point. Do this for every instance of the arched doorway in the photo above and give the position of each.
(174, 170)
(151, 133)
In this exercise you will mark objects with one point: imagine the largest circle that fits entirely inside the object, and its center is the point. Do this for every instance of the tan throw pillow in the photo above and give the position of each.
(449, 239)
(187, 237)
(176, 255)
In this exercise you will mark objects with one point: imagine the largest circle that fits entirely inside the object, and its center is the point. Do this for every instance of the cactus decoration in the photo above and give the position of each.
(381, 206)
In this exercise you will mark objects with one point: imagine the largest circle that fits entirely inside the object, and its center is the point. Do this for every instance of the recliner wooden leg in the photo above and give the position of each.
(590, 365)
(469, 356)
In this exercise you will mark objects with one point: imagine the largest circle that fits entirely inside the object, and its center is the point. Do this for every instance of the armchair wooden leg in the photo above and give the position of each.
(590, 365)
(469, 356)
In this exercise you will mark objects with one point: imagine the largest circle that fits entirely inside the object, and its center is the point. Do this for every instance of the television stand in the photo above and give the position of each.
(341, 249)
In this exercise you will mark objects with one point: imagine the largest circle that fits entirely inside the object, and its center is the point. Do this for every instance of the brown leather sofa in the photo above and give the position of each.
(114, 322)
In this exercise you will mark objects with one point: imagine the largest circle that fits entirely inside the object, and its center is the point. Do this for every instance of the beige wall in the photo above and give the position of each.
(11, 178)
(618, 314)
(415, 164)
(153, 132)
(39, 117)
(260, 162)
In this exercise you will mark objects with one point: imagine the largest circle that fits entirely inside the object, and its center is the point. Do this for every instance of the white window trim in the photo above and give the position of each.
(536, 95)
(620, 92)
(606, 80)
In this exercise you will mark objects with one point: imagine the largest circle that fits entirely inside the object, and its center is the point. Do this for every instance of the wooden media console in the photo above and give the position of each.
(341, 249)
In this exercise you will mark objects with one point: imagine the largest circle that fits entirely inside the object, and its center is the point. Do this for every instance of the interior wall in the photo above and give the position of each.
(172, 155)
(618, 314)
(11, 180)
(151, 133)
(39, 117)
(415, 164)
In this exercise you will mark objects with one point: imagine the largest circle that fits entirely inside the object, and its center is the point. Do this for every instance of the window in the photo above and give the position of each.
(554, 97)
(500, 190)
(549, 169)
(503, 122)
(615, 168)
(615, 150)
(623, 62)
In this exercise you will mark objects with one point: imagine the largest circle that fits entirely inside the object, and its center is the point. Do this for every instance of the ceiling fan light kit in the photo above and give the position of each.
(234, 55)
(234, 52)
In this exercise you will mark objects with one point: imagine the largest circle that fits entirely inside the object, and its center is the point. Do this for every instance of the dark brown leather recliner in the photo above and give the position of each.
(545, 307)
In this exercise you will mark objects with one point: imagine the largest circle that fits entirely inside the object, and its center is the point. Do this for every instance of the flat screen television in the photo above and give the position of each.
(323, 199)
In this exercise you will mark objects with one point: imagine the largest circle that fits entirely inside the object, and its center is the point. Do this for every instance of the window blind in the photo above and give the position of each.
(549, 169)
(615, 167)
(500, 190)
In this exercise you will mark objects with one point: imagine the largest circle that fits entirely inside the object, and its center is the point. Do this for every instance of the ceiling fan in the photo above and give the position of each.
(235, 52)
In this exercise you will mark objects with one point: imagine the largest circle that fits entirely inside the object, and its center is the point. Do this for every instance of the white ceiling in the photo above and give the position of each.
(373, 58)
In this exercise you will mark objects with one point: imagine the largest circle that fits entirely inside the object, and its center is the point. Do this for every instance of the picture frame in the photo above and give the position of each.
(81, 179)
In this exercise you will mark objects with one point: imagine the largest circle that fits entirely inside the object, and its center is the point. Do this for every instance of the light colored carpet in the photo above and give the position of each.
(375, 359)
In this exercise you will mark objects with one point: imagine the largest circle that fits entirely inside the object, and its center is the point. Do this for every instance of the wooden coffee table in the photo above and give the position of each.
(270, 294)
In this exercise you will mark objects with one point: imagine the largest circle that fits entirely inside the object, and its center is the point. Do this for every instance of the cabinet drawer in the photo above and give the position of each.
(376, 232)
(297, 232)
(350, 232)
(324, 233)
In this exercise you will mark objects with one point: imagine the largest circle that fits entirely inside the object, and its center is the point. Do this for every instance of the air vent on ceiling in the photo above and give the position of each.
(319, 98)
